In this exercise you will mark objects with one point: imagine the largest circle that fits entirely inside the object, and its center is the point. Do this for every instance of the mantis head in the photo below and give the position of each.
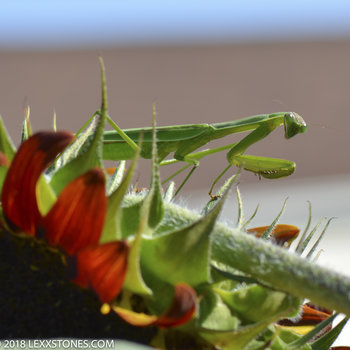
(293, 124)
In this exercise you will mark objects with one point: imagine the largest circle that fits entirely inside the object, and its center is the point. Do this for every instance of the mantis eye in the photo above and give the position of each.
(293, 124)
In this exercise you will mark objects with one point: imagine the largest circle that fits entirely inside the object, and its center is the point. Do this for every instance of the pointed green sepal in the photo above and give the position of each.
(134, 281)
(26, 126)
(153, 202)
(112, 229)
(90, 154)
(184, 253)
(117, 177)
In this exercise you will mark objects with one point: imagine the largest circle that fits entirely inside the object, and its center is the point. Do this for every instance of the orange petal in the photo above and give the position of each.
(310, 315)
(4, 160)
(282, 234)
(76, 219)
(111, 170)
(18, 193)
(103, 268)
(181, 310)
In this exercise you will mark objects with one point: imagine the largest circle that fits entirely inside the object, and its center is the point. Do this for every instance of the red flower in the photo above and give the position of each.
(75, 221)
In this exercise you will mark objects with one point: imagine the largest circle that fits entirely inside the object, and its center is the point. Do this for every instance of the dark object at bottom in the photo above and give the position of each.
(37, 300)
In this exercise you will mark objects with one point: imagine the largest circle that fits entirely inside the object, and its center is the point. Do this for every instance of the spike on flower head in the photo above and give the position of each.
(19, 189)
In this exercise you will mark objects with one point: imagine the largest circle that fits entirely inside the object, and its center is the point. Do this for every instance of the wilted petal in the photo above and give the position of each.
(137, 319)
(283, 235)
(76, 219)
(18, 193)
(181, 310)
(103, 268)
(312, 314)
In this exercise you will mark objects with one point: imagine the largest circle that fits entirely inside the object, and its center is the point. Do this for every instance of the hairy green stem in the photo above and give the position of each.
(282, 269)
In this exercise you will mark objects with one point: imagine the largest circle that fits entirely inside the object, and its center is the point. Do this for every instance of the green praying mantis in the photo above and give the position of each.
(184, 140)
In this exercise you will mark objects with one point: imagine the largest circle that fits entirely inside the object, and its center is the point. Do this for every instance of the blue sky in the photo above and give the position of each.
(60, 23)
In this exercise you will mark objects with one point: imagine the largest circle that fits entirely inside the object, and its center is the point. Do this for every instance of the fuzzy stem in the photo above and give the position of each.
(280, 268)
(283, 270)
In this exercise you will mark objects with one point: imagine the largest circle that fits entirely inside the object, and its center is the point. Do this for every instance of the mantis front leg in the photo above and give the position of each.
(265, 167)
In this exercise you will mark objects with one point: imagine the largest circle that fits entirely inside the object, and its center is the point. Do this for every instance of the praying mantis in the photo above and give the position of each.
(184, 140)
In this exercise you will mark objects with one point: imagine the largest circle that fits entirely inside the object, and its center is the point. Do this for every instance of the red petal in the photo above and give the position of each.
(282, 234)
(76, 219)
(18, 194)
(103, 268)
(181, 309)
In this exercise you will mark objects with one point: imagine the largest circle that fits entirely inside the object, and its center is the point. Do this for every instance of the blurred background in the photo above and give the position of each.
(200, 62)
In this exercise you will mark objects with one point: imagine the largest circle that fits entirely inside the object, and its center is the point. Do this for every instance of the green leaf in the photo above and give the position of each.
(307, 337)
(275, 338)
(235, 339)
(255, 303)
(6, 144)
(330, 337)
(255, 308)
(214, 314)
